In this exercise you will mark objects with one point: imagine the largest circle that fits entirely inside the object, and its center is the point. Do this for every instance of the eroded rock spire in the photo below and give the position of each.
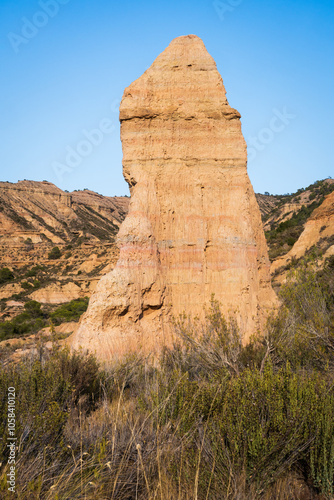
(194, 227)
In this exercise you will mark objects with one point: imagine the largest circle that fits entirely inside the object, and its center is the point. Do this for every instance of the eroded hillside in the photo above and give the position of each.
(284, 216)
(56, 244)
(299, 225)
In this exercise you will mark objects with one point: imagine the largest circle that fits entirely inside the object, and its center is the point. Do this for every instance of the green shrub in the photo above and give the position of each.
(46, 389)
(291, 241)
(29, 321)
(55, 253)
(33, 308)
(70, 312)
(5, 275)
(26, 285)
(33, 271)
(302, 332)
(167, 435)
(256, 425)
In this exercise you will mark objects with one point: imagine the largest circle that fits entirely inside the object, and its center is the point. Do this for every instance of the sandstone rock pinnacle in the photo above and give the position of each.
(194, 226)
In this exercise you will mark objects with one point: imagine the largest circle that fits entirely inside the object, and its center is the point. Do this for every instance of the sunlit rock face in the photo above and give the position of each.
(318, 232)
(194, 227)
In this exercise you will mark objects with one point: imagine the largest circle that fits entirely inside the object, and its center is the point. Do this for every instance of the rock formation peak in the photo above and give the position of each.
(194, 227)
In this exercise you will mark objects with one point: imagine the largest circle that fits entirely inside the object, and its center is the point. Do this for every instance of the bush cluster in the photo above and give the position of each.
(5, 275)
(210, 419)
(30, 320)
(34, 271)
(70, 312)
(283, 237)
(55, 253)
(34, 318)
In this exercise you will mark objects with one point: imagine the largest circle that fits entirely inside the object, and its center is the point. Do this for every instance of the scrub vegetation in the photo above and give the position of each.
(34, 318)
(211, 419)
(283, 234)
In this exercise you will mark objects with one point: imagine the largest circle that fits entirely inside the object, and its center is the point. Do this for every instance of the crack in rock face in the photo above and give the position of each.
(194, 227)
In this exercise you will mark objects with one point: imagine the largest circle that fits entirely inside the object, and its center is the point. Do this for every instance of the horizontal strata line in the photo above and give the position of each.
(152, 217)
(172, 159)
(230, 115)
(166, 247)
(191, 266)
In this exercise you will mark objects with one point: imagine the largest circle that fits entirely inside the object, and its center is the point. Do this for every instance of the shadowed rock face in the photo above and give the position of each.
(194, 227)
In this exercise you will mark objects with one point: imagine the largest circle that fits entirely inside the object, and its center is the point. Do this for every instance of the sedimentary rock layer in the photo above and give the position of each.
(194, 227)
(318, 232)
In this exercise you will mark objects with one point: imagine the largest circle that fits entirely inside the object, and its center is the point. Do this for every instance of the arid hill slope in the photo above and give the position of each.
(36, 217)
(43, 212)
(317, 238)
(284, 216)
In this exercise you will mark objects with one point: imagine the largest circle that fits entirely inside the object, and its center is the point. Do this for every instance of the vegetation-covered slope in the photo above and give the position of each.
(284, 216)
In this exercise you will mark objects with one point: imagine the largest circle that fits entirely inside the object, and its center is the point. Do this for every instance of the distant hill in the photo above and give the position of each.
(297, 225)
(284, 216)
(56, 244)
(46, 213)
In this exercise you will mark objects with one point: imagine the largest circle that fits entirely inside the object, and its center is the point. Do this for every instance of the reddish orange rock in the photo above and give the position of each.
(194, 227)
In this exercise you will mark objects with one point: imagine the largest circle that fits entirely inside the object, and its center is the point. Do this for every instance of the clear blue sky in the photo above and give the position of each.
(65, 64)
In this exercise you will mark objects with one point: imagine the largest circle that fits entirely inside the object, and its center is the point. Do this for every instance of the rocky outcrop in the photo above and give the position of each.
(194, 227)
(267, 204)
(318, 232)
(9, 290)
(36, 216)
(57, 294)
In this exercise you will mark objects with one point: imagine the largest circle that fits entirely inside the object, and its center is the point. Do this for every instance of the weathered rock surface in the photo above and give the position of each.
(194, 227)
(318, 232)
(57, 294)
(10, 289)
